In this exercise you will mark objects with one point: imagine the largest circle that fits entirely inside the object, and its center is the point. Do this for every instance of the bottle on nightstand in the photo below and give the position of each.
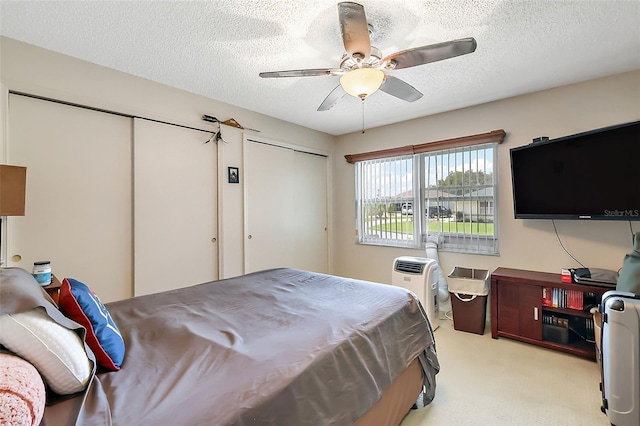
(42, 272)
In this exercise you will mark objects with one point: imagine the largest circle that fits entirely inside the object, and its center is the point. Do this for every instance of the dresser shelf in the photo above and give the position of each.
(517, 311)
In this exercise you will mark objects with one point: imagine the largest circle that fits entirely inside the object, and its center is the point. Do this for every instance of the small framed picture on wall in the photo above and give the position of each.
(234, 176)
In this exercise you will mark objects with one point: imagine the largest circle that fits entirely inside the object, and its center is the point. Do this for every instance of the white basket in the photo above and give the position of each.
(469, 281)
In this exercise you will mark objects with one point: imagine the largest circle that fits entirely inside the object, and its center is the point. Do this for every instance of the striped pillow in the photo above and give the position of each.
(57, 352)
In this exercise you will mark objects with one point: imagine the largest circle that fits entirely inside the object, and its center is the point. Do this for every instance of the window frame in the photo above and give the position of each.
(421, 202)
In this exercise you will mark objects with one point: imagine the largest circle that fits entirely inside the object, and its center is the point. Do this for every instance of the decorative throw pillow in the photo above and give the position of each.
(22, 394)
(79, 303)
(57, 352)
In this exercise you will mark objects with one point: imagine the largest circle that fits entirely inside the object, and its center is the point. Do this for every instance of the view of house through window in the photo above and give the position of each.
(448, 193)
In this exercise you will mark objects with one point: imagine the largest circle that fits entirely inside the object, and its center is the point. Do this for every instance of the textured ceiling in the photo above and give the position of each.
(217, 48)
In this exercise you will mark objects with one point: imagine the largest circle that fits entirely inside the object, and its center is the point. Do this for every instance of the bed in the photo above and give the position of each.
(281, 346)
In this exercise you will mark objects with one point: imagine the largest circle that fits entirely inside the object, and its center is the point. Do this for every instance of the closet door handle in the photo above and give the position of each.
(535, 313)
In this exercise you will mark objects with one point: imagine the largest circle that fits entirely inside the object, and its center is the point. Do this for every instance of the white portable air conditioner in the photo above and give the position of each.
(418, 274)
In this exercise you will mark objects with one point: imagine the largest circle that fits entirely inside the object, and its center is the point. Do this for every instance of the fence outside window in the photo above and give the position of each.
(450, 193)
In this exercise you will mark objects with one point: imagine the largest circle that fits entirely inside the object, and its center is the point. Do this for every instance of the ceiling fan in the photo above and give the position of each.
(362, 67)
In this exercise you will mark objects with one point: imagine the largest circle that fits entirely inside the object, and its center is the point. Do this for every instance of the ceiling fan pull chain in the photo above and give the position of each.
(363, 116)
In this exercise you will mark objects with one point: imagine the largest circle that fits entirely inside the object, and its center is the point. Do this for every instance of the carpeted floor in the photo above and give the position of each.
(490, 382)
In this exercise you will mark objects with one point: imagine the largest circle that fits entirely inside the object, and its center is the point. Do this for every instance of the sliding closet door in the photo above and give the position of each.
(78, 207)
(269, 206)
(175, 213)
(286, 209)
(311, 212)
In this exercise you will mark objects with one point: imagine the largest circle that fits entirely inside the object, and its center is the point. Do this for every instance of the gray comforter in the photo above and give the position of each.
(278, 347)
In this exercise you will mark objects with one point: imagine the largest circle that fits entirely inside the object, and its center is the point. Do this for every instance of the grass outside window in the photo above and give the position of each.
(406, 227)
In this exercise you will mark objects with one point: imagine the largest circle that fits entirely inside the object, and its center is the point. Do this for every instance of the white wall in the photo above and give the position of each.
(29, 69)
(525, 244)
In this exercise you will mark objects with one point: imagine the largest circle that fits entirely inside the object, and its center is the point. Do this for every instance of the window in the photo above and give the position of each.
(448, 193)
(459, 191)
(384, 194)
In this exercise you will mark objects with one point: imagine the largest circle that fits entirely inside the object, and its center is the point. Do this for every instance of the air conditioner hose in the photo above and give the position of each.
(432, 253)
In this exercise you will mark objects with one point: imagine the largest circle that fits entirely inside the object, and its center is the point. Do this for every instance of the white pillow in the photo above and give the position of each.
(57, 352)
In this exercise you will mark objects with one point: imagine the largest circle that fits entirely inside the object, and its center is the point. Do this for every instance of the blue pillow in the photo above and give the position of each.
(79, 303)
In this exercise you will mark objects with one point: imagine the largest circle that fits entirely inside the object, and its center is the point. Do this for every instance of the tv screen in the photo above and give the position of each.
(590, 175)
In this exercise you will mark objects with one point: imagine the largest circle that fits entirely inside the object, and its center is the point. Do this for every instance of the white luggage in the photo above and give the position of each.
(621, 357)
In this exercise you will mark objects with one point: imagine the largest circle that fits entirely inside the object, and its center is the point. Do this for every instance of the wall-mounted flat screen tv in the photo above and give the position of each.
(590, 175)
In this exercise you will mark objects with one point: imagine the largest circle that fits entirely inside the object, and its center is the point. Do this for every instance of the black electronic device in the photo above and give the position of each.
(589, 175)
(595, 276)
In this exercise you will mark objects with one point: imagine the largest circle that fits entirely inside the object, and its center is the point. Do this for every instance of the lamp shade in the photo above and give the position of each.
(13, 183)
(361, 82)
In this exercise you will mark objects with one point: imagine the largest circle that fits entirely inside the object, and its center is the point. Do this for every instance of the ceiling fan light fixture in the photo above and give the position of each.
(362, 66)
(362, 82)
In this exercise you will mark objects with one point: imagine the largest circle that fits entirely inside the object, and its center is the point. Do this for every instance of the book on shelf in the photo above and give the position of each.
(555, 320)
(580, 326)
(562, 298)
(547, 296)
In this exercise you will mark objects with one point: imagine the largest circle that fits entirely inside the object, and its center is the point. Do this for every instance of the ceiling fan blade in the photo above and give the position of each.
(400, 89)
(354, 28)
(331, 99)
(302, 73)
(431, 53)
